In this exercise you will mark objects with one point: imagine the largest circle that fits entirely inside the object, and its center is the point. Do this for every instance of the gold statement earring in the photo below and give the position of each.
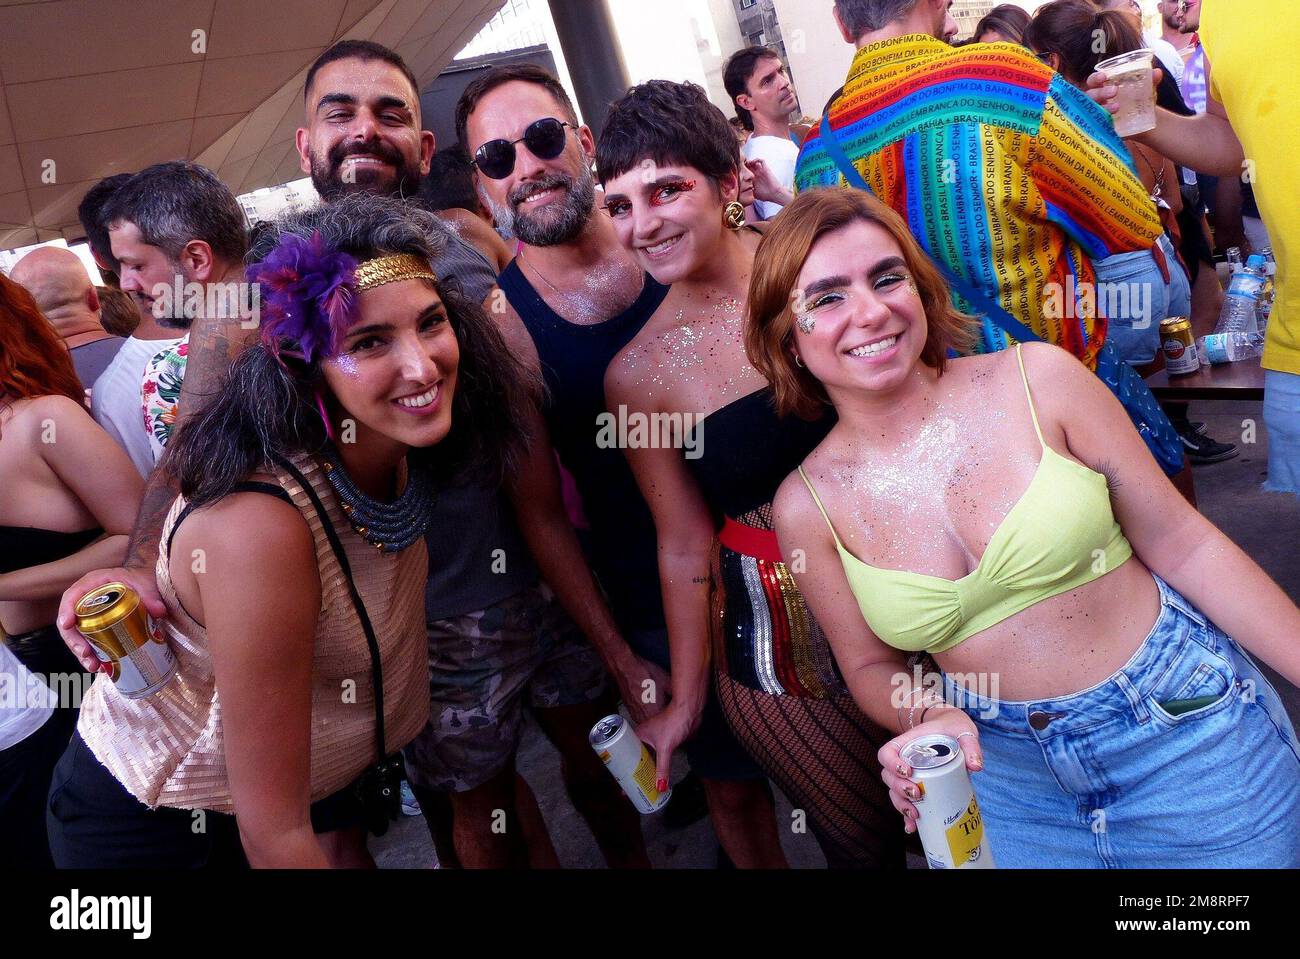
(733, 215)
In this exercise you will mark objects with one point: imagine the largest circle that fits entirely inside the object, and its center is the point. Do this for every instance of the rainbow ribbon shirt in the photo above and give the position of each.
(1003, 170)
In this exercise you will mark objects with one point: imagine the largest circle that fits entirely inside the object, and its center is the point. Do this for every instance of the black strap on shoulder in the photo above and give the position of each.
(249, 486)
(270, 489)
(376, 667)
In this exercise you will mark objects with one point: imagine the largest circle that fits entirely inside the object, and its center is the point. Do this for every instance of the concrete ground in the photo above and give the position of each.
(1265, 525)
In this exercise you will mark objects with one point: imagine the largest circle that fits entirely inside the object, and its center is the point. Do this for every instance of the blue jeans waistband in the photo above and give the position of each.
(1120, 695)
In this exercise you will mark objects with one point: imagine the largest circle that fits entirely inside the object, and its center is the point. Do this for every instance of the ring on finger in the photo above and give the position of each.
(967, 733)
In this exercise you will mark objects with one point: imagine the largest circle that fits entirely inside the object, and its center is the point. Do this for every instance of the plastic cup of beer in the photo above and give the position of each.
(1131, 73)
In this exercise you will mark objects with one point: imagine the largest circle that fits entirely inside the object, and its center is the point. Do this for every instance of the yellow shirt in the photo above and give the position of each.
(1251, 50)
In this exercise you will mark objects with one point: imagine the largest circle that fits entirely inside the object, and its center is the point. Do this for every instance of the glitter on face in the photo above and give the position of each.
(806, 322)
(346, 364)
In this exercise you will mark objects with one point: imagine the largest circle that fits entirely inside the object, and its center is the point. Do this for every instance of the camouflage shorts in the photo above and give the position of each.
(481, 667)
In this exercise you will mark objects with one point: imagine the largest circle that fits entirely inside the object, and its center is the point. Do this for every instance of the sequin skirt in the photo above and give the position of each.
(762, 631)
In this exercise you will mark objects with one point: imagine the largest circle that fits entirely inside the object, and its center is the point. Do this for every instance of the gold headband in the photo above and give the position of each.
(390, 269)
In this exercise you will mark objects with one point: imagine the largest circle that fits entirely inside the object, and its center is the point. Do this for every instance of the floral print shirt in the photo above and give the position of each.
(160, 393)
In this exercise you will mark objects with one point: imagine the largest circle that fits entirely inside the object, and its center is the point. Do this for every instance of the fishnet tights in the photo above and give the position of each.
(822, 753)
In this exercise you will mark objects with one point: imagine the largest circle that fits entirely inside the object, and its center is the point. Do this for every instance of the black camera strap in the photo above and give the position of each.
(376, 667)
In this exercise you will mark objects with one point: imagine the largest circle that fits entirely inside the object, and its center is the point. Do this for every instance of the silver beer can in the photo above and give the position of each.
(628, 760)
(949, 824)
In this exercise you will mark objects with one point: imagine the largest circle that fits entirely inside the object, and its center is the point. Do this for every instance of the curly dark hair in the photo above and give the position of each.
(669, 123)
(267, 409)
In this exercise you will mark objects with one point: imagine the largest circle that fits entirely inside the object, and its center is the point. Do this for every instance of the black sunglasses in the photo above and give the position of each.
(544, 139)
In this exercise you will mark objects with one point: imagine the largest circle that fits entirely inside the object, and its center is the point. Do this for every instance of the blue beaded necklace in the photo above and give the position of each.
(389, 527)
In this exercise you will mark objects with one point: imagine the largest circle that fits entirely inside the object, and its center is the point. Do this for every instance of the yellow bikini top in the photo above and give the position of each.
(1060, 535)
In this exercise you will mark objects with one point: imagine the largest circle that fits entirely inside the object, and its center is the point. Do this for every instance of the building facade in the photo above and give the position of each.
(759, 25)
(968, 13)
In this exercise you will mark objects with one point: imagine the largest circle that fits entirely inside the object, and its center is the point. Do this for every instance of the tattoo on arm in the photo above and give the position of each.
(1108, 470)
(699, 579)
(159, 493)
(213, 345)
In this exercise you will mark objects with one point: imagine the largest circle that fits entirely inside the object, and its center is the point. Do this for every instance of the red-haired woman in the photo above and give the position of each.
(1000, 514)
(70, 497)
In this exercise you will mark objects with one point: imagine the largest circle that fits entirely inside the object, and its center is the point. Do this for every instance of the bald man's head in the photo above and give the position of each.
(60, 286)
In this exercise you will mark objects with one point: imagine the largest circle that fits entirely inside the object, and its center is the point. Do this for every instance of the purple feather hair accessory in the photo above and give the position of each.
(307, 292)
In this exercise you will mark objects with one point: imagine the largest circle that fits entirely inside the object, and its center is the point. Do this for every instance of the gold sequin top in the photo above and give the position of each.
(167, 749)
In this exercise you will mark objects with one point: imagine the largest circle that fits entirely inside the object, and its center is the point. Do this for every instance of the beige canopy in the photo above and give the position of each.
(89, 88)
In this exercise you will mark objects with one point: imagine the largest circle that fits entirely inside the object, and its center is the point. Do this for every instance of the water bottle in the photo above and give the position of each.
(1230, 347)
(1234, 260)
(1265, 308)
(1242, 299)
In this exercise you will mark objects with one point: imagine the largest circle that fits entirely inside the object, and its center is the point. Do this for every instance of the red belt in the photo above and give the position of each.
(750, 541)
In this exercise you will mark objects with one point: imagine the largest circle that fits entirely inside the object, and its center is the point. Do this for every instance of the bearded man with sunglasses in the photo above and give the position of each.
(575, 299)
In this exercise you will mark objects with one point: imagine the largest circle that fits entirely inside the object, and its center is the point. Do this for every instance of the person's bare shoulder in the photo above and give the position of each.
(248, 534)
(477, 232)
(631, 374)
(40, 418)
(511, 327)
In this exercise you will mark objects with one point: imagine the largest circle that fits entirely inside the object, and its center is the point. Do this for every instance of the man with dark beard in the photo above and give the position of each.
(576, 298)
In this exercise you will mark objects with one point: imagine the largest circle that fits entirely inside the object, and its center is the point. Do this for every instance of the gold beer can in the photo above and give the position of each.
(1179, 345)
(122, 635)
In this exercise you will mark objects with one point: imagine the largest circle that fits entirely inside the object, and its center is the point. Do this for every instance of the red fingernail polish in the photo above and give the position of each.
(663, 785)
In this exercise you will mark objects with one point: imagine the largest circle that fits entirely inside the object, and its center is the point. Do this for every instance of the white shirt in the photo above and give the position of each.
(26, 703)
(115, 399)
(780, 154)
(1170, 59)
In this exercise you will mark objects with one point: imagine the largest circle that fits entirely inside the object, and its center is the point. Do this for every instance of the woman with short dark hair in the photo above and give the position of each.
(735, 619)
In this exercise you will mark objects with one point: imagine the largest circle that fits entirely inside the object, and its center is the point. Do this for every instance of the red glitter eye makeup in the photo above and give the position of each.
(677, 186)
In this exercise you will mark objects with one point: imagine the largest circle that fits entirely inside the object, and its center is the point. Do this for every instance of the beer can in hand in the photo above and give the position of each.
(113, 620)
(627, 758)
(950, 825)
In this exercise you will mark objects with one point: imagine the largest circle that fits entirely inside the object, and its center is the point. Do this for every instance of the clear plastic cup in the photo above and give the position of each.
(1132, 73)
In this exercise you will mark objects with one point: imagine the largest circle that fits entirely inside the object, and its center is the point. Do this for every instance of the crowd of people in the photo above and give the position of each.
(356, 464)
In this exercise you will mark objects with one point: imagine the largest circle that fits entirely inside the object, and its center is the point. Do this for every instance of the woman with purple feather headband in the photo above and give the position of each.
(292, 564)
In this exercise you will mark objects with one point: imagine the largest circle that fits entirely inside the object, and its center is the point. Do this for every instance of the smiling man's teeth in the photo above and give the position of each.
(424, 399)
(534, 197)
(871, 349)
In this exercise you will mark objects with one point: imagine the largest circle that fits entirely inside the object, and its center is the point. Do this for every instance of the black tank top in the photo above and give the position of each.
(574, 359)
(22, 547)
(747, 452)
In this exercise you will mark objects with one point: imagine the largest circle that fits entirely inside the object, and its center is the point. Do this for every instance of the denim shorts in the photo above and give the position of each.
(1282, 418)
(1134, 324)
(1107, 778)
